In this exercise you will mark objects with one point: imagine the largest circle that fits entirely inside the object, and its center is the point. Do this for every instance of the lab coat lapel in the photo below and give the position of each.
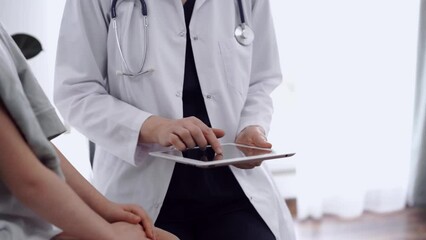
(198, 4)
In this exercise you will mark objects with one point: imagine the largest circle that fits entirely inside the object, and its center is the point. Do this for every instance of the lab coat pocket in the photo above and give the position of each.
(237, 65)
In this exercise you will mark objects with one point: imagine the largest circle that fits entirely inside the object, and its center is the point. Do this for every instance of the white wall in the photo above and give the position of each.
(349, 69)
(17, 18)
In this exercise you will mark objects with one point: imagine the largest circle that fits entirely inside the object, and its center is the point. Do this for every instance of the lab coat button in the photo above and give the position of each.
(179, 94)
(209, 97)
(195, 38)
(182, 34)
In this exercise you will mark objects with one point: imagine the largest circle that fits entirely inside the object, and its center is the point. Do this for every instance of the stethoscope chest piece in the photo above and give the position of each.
(244, 34)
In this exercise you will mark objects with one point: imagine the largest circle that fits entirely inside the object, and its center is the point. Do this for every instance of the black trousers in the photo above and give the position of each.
(236, 220)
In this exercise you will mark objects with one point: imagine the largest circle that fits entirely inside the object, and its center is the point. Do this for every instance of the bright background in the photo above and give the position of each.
(345, 106)
(347, 103)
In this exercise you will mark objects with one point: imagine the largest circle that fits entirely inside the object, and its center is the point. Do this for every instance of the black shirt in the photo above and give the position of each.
(191, 185)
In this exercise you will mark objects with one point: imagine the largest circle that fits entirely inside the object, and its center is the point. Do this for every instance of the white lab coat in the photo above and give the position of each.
(110, 109)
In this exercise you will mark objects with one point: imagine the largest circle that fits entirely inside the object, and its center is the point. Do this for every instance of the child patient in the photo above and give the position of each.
(38, 186)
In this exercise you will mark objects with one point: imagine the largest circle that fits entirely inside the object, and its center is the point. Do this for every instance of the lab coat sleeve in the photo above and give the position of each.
(266, 73)
(80, 81)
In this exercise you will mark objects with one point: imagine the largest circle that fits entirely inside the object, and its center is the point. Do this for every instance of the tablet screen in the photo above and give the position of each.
(229, 152)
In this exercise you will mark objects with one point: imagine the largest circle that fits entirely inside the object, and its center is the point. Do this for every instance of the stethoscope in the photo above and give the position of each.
(128, 72)
(243, 34)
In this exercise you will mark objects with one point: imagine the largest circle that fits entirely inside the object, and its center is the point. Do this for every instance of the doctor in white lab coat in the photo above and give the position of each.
(129, 116)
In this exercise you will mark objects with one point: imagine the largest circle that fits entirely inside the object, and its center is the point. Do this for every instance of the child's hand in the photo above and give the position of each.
(129, 213)
(124, 230)
(120, 230)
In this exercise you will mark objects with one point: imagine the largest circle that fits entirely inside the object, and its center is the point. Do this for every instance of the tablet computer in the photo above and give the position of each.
(232, 154)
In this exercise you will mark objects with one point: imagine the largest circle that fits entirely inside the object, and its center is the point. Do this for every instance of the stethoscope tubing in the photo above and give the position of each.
(243, 34)
(241, 11)
(128, 72)
(144, 8)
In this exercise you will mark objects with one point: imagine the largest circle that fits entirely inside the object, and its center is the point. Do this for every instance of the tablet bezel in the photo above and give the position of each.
(231, 161)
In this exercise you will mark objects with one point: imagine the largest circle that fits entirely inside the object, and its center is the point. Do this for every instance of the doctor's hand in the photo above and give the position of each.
(182, 133)
(252, 136)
